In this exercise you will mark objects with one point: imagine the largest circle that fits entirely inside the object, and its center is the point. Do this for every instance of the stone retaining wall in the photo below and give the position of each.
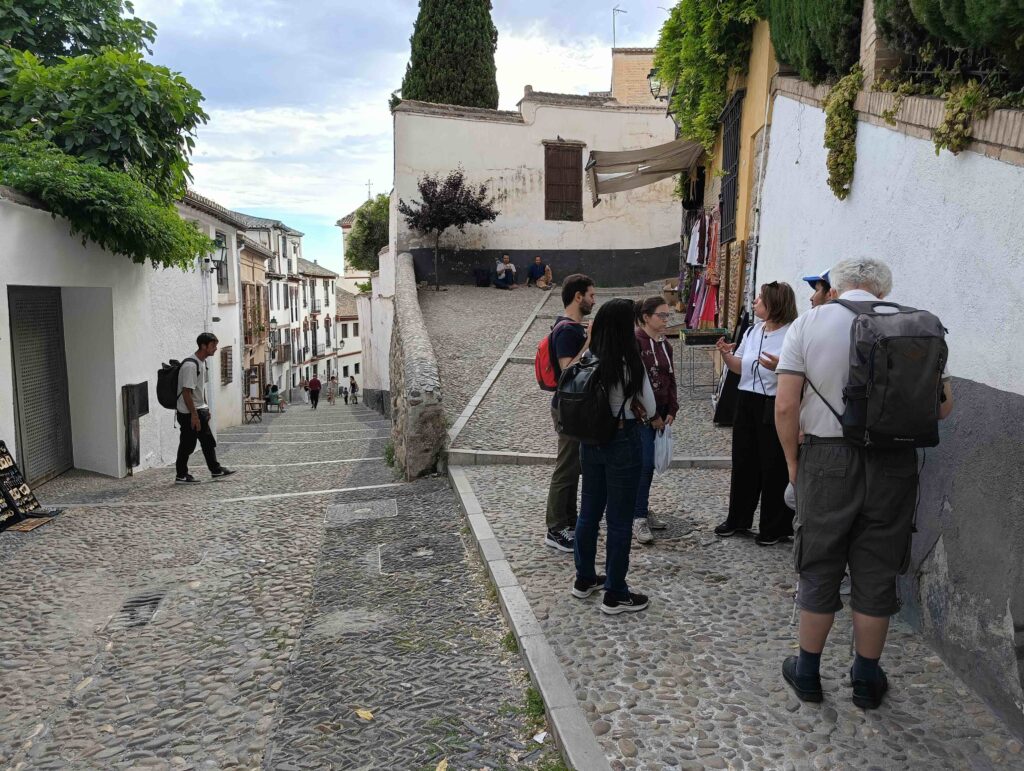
(417, 418)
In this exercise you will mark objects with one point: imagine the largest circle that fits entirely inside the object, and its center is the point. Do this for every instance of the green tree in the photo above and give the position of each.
(447, 203)
(452, 59)
(111, 108)
(369, 234)
(700, 45)
(821, 38)
(54, 28)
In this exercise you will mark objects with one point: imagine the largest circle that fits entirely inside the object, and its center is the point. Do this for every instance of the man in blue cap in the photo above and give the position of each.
(822, 289)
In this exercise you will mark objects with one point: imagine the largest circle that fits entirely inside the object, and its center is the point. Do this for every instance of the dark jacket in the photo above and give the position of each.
(658, 363)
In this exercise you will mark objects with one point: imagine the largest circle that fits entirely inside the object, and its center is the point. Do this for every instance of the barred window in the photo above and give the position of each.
(730, 120)
(227, 365)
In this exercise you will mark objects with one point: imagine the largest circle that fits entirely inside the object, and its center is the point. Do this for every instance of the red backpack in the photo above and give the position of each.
(545, 363)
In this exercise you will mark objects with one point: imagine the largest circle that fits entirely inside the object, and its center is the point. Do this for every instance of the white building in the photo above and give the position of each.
(316, 289)
(349, 361)
(533, 163)
(350, 276)
(87, 328)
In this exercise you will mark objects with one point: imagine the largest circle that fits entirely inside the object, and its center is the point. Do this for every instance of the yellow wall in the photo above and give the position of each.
(763, 67)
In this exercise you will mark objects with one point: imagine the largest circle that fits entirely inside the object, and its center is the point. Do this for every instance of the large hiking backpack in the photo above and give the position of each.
(545, 361)
(895, 385)
(167, 392)
(584, 412)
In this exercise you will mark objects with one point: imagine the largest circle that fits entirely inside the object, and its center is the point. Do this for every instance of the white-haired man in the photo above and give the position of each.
(855, 505)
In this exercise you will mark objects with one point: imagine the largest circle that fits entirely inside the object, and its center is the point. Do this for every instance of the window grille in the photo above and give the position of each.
(730, 120)
(227, 365)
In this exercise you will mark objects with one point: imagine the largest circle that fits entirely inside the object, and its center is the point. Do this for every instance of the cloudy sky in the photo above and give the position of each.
(297, 90)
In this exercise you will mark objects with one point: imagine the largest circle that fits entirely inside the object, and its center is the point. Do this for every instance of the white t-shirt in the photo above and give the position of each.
(193, 377)
(818, 347)
(754, 376)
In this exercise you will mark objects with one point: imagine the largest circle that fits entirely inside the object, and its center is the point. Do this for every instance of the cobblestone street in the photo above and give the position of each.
(243, 623)
(694, 682)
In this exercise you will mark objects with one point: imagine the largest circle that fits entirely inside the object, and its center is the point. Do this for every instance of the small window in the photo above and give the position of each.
(344, 331)
(344, 371)
(355, 329)
(222, 265)
(563, 182)
(227, 365)
(355, 367)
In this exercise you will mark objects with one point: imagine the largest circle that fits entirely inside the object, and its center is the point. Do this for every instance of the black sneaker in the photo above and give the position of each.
(764, 540)
(223, 472)
(584, 589)
(188, 479)
(806, 687)
(560, 539)
(725, 530)
(613, 604)
(868, 694)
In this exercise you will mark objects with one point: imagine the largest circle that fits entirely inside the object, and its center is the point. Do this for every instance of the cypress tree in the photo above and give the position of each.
(452, 60)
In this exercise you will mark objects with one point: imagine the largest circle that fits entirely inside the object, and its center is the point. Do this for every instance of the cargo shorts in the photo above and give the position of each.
(855, 506)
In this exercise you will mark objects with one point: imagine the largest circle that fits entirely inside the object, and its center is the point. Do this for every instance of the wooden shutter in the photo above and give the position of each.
(227, 365)
(563, 182)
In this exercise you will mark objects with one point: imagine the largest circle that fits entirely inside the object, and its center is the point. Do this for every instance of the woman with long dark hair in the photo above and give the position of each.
(652, 317)
(611, 472)
(759, 469)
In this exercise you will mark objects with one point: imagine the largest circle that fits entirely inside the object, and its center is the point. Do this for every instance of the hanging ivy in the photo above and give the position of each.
(841, 132)
(701, 45)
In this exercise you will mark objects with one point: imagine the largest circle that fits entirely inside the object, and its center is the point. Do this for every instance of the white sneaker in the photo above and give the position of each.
(655, 522)
(642, 531)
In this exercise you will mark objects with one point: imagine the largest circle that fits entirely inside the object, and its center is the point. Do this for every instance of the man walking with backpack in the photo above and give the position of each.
(855, 475)
(568, 338)
(193, 413)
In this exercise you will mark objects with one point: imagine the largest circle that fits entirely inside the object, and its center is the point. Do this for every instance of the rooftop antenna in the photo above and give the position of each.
(615, 12)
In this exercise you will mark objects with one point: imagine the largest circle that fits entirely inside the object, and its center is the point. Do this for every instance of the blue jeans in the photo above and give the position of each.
(643, 490)
(610, 476)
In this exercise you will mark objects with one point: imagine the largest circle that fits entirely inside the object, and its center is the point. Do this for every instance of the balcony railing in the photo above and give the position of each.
(284, 354)
(315, 306)
(321, 349)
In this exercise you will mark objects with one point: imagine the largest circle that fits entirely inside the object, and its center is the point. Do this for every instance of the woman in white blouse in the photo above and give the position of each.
(759, 469)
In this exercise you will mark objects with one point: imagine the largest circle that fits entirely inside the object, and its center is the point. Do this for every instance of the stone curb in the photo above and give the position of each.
(573, 734)
(489, 381)
(460, 457)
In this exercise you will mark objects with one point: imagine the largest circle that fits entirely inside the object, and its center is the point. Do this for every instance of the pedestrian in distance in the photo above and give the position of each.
(611, 472)
(344, 393)
(569, 338)
(855, 500)
(505, 274)
(353, 389)
(315, 386)
(759, 470)
(193, 413)
(332, 390)
(652, 317)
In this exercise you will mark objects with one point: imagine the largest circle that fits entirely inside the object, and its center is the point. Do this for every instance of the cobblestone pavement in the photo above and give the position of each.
(694, 681)
(470, 328)
(242, 623)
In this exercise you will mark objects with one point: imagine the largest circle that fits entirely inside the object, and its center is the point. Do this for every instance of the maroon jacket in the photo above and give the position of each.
(658, 363)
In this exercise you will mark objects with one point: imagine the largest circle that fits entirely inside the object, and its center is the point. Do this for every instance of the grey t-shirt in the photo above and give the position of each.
(192, 375)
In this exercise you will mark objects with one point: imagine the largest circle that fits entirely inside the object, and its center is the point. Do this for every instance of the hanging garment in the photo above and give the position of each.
(693, 253)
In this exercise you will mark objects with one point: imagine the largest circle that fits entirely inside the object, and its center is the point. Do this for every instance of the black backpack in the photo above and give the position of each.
(584, 412)
(895, 385)
(167, 392)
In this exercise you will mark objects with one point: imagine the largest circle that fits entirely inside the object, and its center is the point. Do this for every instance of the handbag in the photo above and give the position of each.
(663, 449)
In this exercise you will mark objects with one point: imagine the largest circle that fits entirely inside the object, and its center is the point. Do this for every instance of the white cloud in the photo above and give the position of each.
(576, 67)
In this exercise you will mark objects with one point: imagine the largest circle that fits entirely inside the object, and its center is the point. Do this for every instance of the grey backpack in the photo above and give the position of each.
(897, 357)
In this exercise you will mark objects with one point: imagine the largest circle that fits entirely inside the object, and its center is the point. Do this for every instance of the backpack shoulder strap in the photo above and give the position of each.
(824, 400)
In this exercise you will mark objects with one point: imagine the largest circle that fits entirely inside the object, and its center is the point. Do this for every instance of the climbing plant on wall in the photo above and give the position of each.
(820, 38)
(841, 132)
(701, 45)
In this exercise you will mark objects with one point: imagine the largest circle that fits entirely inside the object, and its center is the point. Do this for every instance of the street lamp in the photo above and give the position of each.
(219, 255)
(655, 84)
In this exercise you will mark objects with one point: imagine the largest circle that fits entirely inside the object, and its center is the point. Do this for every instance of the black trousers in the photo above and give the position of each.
(759, 469)
(188, 439)
(314, 397)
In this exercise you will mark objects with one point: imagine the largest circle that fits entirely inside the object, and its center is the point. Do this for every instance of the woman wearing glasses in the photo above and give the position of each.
(652, 317)
(758, 464)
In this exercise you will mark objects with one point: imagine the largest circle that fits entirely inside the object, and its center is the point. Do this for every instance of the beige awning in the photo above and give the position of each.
(613, 171)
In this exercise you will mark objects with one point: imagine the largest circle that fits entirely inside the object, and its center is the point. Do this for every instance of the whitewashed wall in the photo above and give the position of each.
(376, 320)
(509, 158)
(151, 316)
(951, 227)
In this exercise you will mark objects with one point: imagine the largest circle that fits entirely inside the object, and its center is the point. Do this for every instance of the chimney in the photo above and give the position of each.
(527, 91)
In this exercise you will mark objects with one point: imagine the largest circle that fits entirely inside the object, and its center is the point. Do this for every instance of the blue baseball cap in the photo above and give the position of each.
(813, 280)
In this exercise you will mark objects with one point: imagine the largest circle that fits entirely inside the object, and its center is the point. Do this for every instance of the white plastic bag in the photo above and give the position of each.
(663, 449)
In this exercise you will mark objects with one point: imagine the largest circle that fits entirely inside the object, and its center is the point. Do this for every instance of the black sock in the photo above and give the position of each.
(808, 664)
(865, 668)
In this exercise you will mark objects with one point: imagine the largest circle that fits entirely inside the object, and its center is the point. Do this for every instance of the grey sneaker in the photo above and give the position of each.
(655, 522)
(642, 531)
